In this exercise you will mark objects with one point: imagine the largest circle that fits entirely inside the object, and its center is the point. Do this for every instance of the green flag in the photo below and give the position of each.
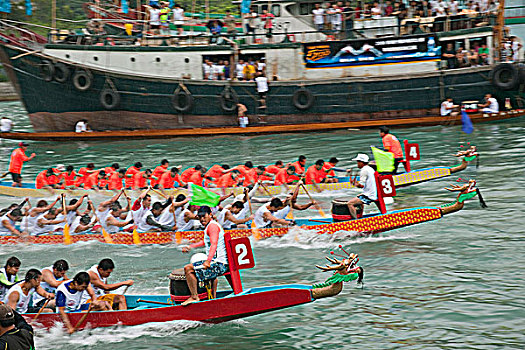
(201, 196)
(384, 160)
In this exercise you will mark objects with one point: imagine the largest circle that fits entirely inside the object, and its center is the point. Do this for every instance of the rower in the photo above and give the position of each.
(291, 202)
(42, 206)
(8, 223)
(230, 179)
(392, 145)
(70, 297)
(132, 170)
(115, 179)
(109, 170)
(187, 218)
(83, 173)
(52, 277)
(168, 179)
(367, 182)
(82, 224)
(158, 172)
(275, 168)
(216, 171)
(217, 262)
(197, 177)
(67, 178)
(46, 222)
(169, 217)
(98, 275)
(330, 168)
(285, 176)
(109, 211)
(71, 211)
(94, 180)
(140, 206)
(264, 217)
(316, 174)
(140, 179)
(300, 165)
(186, 174)
(9, 275)
(19, 295)
(228, 219)
(46, 179)
(150, 220)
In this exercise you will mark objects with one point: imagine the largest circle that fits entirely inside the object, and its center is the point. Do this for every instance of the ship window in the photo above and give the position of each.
(157, 59)
(263, 7)
(95, 58)
(67, 55)
(187, 60)
(132, 59)
(304, 9)
(276, 10)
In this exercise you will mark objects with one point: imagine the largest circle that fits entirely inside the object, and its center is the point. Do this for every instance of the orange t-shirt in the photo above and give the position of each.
(83, 174)
(226, 181)
(114, 182)
(139, 181)
(91, 181)
(69, 178)
(18, 157)
(186, 174)
(215, 171)
(157, 174)
(129, 177)
(272, 169)
(391, 144)
(167, 181)
(250, 177)
(299, 169)
(314, 176)
(282, 177)
(42, 180)
(196, 178)
(327, 166)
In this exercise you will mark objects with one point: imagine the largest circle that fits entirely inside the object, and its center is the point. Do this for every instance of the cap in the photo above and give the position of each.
(60, 167)
(23, 144)
(6, 313)
(361, 157)
(204, 210)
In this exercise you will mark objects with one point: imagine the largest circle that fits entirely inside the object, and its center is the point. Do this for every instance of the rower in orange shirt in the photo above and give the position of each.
(130, 173)
(18, 157)
(216, 171)
(197, 177)
(109, 170)
(45, 179)
(316, 174)
(392, 145)
(300, 165)
(186, 174)
(140, 179)
(115, 180)
(262, 175)
(93, 180)
(83, 173)
(168, 179)
(230, 179)
(68, 177)
(158, 172)
(274, 169)
(285, 176)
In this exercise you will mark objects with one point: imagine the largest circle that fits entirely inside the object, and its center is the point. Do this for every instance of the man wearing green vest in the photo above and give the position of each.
(164, 18)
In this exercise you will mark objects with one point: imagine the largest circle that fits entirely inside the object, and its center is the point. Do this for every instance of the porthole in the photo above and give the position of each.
(157, 59)
(95, 58)
(67, 56)
(187, 60)
(132, 59)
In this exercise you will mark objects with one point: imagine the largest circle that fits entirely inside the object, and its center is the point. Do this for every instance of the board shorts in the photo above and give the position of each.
(16, 177)
(365, 199)
(215, 270)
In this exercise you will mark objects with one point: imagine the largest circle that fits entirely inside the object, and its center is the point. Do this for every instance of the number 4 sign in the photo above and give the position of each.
(412, 151)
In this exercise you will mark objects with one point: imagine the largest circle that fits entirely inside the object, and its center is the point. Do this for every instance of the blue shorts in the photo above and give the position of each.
(365, 199)
(215, 270)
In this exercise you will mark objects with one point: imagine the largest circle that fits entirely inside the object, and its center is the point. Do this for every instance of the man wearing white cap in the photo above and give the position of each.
(367, 182)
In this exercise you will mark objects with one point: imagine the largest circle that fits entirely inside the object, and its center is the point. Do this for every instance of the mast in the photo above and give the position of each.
(54, 14)
(500, 27)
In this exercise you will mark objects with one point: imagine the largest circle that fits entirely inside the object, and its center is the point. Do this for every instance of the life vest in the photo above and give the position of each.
(164, 15)
(6, 282)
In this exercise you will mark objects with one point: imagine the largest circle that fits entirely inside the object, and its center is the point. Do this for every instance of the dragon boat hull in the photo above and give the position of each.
(226, 307)
(400, 180)
(370, 224)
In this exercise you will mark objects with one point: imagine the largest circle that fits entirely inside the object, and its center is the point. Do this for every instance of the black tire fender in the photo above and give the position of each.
(109, 99)
(48, 70)
(61, 72)
(303, 99)
(82, 80)
(506, 76)
(229, 100)
(182, 101)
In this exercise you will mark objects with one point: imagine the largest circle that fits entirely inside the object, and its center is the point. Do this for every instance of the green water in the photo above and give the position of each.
(455, 283)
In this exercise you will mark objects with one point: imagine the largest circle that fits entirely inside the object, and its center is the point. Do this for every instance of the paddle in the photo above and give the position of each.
(40, 311)
(82, 319)
(152, 302)
(265, 189)
(256, 233)
(136, 237)
(316, 205)
(107, 236)
(159, 193)
(67, 235)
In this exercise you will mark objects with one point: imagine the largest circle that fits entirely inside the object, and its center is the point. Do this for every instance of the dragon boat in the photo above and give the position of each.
(407, 178)
(340, 222)
(227, 305)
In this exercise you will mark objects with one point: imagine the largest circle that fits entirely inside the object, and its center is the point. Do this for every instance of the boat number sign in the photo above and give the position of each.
(412, 151)
(386, 186)
(241, 250)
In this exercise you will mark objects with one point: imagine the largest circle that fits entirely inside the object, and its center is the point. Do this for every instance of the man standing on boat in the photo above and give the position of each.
(217, 262)
(367, 182)
(392, 145)
(18, 157)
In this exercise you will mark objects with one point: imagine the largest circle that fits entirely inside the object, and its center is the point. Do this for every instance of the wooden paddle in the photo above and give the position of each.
(152, 302)
(316, 205)
(256, 233)
(266, 189)
(82, 319)
(159, 193)
(40, 311)
(136, 237)
(107, 236)
(67, 235)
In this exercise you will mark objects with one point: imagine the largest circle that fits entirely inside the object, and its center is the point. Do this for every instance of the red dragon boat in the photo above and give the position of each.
(228, 305)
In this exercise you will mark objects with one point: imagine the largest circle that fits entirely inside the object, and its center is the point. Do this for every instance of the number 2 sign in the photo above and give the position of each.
(241, 250)
(386, 186)
(412, 151)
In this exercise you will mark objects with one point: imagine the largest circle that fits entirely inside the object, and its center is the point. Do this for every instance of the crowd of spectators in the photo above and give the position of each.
(245, 70)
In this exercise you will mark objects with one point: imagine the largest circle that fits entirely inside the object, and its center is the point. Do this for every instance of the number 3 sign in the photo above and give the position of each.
(242, 254)
(386, 186)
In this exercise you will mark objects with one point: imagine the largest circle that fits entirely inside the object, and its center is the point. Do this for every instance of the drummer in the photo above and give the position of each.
(367, 182)
(217, 262)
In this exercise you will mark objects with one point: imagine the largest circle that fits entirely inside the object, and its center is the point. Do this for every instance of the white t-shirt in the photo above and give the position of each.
(493, 107)
(208, 71)
(178, 16)
(318, 16)
(238, 70)
(154, 17)
(337, 17)
(367, 179)
(6, 124)
(445, 108)
(80, 127)
(262, 84)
